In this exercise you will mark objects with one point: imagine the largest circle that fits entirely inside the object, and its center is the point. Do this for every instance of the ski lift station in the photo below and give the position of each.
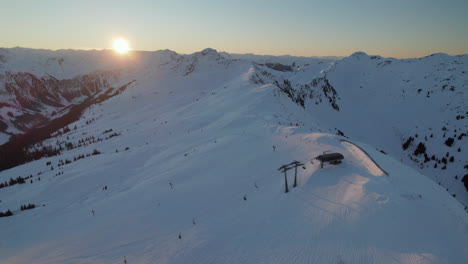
(331, 158)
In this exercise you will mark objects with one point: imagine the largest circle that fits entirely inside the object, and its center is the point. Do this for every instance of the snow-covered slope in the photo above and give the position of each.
(389, 102)
(186, 171)
(40, 85)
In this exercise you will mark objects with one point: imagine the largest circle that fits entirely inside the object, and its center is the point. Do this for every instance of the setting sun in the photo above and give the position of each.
(120, 45)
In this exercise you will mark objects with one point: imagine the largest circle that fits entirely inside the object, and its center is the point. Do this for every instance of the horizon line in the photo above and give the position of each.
(248, 53)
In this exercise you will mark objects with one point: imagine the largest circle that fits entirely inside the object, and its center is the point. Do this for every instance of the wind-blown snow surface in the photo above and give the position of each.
(204, 145)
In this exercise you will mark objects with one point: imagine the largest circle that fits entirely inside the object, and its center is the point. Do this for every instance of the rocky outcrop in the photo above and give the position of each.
(319, 90)
(32, 99)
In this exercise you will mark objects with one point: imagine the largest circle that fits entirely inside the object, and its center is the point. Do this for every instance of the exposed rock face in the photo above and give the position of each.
(30, 100)
(318, 90)
(279, 67)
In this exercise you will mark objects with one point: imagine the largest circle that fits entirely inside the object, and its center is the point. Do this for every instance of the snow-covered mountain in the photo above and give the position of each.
(171, 158)
(39, 85)
(413, 109)
(285, 59)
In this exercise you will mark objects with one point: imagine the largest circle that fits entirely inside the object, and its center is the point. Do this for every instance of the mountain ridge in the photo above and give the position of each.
(177, 162)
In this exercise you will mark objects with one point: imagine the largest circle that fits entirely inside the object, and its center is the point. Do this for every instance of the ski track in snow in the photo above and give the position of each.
(200, 143)
(366, 162)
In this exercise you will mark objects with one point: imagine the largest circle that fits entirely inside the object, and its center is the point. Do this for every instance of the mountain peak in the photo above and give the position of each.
(138, 137)
(209, 51)
(359, 54)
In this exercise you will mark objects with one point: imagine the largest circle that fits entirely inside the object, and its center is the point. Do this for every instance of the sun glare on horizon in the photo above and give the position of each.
(120, 46)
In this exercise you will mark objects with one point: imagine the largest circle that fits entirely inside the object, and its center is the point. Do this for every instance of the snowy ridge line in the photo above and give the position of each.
(369, 156)
(208, 130)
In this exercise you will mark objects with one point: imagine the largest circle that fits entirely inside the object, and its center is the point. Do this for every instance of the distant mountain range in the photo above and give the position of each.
(163, 157)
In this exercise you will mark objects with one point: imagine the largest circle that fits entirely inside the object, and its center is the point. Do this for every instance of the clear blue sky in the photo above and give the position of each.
(396, 28)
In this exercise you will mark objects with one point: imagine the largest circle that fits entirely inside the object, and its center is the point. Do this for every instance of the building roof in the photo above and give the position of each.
(330, 157)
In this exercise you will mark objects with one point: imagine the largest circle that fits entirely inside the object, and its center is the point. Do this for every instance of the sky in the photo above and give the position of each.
(390, 28)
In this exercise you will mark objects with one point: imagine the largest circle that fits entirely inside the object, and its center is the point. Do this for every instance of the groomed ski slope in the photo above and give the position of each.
(211, 135)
